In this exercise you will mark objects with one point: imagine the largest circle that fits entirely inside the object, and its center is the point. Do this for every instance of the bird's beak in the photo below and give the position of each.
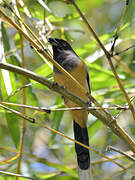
(52, 41)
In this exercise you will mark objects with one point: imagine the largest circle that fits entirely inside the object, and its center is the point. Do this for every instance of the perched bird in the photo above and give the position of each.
(69, 60)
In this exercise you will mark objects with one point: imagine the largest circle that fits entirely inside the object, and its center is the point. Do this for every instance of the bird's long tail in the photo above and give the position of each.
(83, 155)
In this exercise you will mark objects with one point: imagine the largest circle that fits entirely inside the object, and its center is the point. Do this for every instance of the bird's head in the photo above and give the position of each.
(63, 53)
(59, 44)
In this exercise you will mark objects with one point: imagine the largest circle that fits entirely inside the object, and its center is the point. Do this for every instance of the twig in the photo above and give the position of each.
(110, 148)
(114, 42)
(25, 9)
(24, 25)
(118, 114)
(49, 110)
(125, 68)
(120, 52)
(9, 53)
(114, 157)
(89, 27)
(119, 172)
(19, 89)
(42, 3)
(32, 120)
(17, 175)
(116, 35)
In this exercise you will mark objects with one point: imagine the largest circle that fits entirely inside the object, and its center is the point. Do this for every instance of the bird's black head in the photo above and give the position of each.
(59, 44)
(63, 54)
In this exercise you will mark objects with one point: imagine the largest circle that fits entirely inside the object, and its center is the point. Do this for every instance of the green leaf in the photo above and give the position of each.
(12, 84)
(17, 40)
(31, 96)
(3, 94)
(44, 70)
(5, 38)
(60, 8)
(90, 48)
(47, 176)
(34, 8)
(56, 119)
(12, 120)
(94, 127)
(13, 126)
(64, 177)
(63, 168)
(5, 73)
(103, 78)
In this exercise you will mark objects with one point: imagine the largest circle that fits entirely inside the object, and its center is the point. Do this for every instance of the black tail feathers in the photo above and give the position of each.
(83, 156)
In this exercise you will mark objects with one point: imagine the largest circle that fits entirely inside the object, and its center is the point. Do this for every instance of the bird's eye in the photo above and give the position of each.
(64, 44)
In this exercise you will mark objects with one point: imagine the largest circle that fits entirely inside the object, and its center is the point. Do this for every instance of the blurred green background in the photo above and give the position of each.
(51, 156)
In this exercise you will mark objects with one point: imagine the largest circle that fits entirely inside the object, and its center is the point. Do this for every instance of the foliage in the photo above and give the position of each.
(47, 155)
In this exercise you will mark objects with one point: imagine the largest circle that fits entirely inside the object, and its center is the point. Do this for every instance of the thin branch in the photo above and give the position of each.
(122, 88)
(124, 66)
(89, 26)
(17, 175)
(32, 120)
(120, 52)
(49, 110)
(114, 158)
(18, 90)
(42, 3)
(120, 172)
(114, 42)
(24, 25)
(110, 148)
(118, 114)
(116, 35)
(122, 18)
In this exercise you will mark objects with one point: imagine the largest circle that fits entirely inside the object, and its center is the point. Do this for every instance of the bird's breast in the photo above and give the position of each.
(79, 72)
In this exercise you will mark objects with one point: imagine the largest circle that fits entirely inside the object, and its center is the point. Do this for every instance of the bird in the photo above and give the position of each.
(66, 57)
